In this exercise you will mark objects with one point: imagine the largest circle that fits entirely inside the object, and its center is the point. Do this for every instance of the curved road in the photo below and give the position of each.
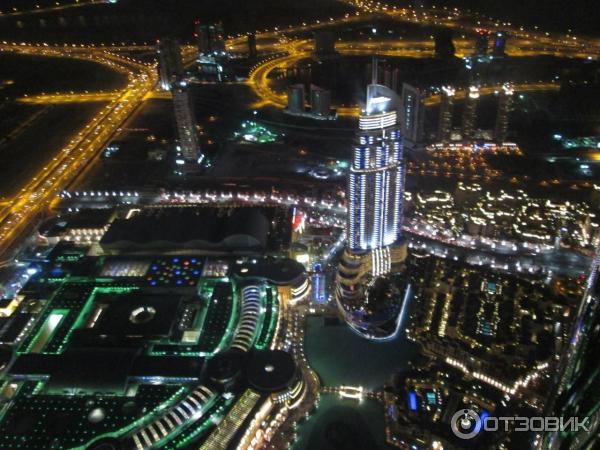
(20, 212)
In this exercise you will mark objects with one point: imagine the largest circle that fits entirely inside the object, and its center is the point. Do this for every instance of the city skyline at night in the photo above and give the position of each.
(328, 224)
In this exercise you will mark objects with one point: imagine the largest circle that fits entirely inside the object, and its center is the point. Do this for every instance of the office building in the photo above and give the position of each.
(295, 96)
(470, 114)
(210, 38)
(375, 197)
(505, 97)
(170, 65)
(446, 110)
(320, 101)
(188, 149)
(412, 115)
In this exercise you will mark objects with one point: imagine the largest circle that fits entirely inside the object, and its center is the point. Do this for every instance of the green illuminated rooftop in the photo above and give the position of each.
(254, 132)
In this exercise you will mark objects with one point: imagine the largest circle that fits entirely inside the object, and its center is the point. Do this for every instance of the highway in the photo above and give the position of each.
(259, 78)
(61, 98)
(462, 22)
(47, 9)
(288, 49)
(21, 211)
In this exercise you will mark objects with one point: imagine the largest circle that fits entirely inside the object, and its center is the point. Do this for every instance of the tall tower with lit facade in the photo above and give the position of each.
(470, 114)
(376, 178)
(446, 109)
(189, 153)
(504, 103)
(374, 243)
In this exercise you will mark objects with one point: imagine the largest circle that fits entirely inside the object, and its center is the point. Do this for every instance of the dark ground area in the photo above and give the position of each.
(22, 156)
(36, 75)
(147, 20)
(30, 135)
(582, 16)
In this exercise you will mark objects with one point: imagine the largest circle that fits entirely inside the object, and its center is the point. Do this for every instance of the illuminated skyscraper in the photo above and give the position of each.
(446, 109)
(170, 65)
(470, 114)
(188, 150)
(504, 103)
(413, 115)
(376, 178)
(375, 247)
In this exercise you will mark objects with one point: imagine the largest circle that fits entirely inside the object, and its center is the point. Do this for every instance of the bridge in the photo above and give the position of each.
(353, 392)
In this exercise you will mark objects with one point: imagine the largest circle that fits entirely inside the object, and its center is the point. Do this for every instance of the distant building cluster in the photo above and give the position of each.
(512, 216)
(466, 161)
(415, 100)
(425, 401)
(496, 328)
(496, 39)
(490, 343)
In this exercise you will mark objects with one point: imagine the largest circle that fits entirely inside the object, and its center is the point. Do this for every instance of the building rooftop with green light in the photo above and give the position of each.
(153, 351)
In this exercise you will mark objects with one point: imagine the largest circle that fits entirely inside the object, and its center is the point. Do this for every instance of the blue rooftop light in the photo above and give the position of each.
(412, 400)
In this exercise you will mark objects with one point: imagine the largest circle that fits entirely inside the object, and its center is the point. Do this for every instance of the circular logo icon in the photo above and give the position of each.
(465, 423)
